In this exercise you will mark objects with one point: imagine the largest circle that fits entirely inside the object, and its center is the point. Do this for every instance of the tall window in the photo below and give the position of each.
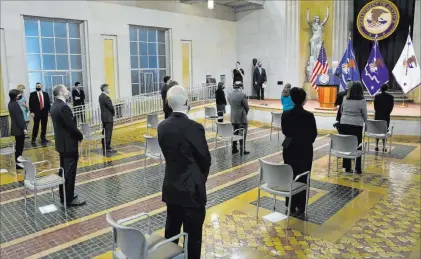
(54, 52)
(148, 58)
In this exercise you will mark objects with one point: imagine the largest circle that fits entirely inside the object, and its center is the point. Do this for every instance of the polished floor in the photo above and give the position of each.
(369, 217)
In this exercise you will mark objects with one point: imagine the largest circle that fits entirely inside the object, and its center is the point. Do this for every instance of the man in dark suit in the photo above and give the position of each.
(260, 79)
(67, 137)
(239, 111)
(78, 96)
(164, 90)
(107, 117)
(188, 160)
(39, 106)
(339, 99)
(383, 107)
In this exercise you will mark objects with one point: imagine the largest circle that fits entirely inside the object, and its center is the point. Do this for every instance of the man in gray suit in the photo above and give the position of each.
(239, 110)
(107, 117)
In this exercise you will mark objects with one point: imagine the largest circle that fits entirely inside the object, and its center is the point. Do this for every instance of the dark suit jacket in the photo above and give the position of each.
(300, 130)
(188, 160)
(164, 91)
(66, 132)
(258, 77)
(220, 97)
(34, 106)
(18, 124)
(81, 95)
(383, 106)
(107, 108)
(339, 99)
(239, 107)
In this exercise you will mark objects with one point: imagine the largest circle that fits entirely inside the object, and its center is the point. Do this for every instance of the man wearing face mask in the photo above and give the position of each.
(39, 107)
(107, 118)
(260, 80)
(188, 160)
(78, 96)
(67, 138)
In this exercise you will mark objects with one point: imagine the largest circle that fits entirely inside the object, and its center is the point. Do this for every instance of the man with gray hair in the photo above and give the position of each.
(239, 110)
(188, 160)
(67, 138)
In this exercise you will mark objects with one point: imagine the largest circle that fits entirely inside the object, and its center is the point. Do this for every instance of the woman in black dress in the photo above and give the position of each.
(383, 107)
(18, 124)
(300, 130)
(237, 75)
(221, 101)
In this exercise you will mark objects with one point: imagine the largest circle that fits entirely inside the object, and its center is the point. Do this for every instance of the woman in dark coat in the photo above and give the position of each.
(383, 107)
(221, 101)
(18, 124)
(300, 130)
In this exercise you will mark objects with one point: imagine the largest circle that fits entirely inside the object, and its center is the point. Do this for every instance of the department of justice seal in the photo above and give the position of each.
(378, 17)
(324, 79)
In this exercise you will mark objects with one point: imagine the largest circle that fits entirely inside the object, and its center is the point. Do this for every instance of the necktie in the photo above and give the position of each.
(41, 101)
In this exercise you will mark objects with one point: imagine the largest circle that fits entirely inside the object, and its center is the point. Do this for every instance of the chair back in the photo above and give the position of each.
(277, 118)
(152, 120)
(152, 145)
(224, 129)
(86, 129)
(343, 143)
(210, 112)
(131, 242)
(376, 126)
(29, 168)
(276, 175)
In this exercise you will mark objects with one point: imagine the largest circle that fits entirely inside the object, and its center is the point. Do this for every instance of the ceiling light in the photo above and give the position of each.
(210, 4)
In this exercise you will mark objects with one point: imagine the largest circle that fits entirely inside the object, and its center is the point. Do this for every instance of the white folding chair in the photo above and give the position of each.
(225, 132)
(377, 129)
(210, 114)
(36, 182)
(152, 122)
(346, 146)
(134, 244)
(276, 121)
(153, 151)
(87, 135)
(278, 180)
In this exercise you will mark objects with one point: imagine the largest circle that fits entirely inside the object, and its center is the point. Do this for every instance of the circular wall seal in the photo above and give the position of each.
(378, 17)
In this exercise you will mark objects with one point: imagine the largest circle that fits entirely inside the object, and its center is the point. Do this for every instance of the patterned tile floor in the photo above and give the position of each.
(376, 215)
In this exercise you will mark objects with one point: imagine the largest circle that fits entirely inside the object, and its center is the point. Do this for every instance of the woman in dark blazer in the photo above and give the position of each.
(383, 107)
(221, 101)
(18, 124)
(300, 130)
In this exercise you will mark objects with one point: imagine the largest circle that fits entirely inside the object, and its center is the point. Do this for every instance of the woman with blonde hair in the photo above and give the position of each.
(24, 106)
(287, 103)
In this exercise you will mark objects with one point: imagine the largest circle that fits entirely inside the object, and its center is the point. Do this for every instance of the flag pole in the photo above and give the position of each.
(404, 105)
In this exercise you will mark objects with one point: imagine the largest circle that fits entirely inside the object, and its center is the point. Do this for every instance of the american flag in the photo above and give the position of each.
(321, 65)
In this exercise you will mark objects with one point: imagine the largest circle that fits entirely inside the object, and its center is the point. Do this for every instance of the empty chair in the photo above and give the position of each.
(87, 134)
(225, 132)
(210, 114)
(152, 122)
(134, 244)
(278, 180)
(152, 150)
(345, 146)
(36, 182)
(377, 129)
(276, 121)
(7, 150)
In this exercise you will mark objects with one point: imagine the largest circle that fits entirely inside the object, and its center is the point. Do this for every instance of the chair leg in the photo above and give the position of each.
(390, 147)
(328, 167)
(355, 168)
(383, 153)
(368, 145)
(89, 148)
(270, 138)
(10, 159)
(24, 195)
(337, 164)
(289, 211)
(307, 197)
(52, 194)
(274, 205)
(64, 196)
(35, 201)
(144, 171)
(258, 203)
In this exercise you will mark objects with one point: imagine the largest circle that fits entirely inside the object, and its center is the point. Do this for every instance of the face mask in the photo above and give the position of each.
(19, 97)
(107, 91)
(39, 89)
(260, 65)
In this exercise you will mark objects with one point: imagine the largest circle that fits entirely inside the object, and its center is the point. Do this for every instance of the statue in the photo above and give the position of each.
(309, 69)
(317, 29)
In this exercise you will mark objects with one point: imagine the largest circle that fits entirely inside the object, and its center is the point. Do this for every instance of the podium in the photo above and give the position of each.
(327, 90)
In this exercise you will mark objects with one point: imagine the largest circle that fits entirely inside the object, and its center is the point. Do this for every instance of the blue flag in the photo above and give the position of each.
(375, 73)
(347, 69)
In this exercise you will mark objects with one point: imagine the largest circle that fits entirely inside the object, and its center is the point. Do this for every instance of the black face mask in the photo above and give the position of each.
(19, 97)
(39, 89)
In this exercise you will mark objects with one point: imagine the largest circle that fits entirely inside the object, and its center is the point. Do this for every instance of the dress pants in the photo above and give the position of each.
(357, 131)
(192, 220)
(20, 141)
(68, 161)
(260, 92)
(242, 143)
(43, 118)
(108, 127)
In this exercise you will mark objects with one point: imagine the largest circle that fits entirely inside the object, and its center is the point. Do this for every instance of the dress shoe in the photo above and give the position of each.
(77, 203)
(45, 141)
(19, 166)
(235, 151)
(33, 144)
(74, 198)
(245, 152)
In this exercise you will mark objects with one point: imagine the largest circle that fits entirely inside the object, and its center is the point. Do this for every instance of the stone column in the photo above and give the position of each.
(292, 36)
(342, 25)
